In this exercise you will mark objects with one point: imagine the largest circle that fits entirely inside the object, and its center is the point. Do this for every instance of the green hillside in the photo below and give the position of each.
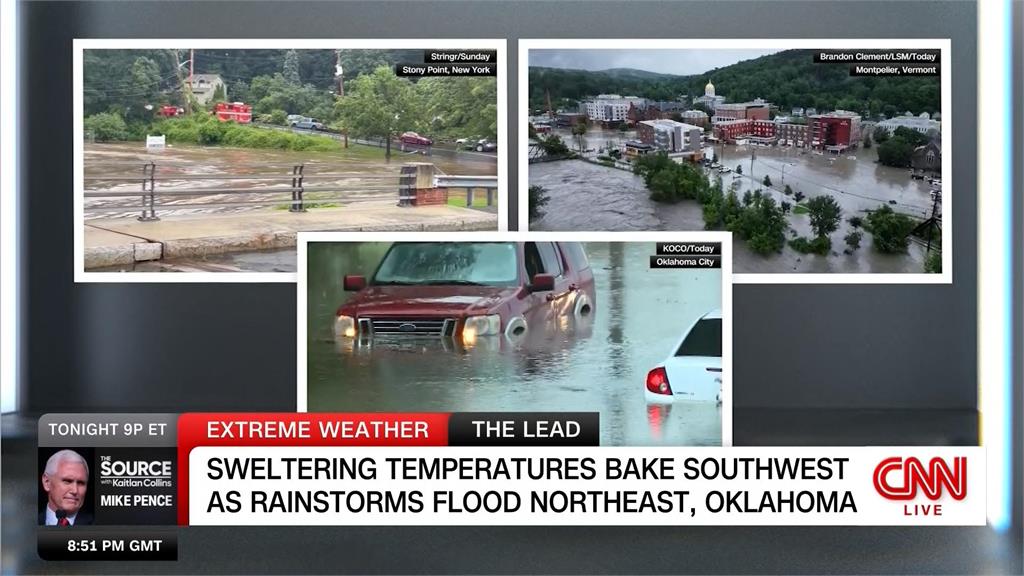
(787, 79)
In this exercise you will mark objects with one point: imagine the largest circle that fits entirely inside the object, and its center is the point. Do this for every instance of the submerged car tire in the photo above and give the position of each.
(516, 328)
(583, 306)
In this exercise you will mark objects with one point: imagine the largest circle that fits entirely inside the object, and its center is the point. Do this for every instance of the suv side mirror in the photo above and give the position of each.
(542, 283)
(354, 283)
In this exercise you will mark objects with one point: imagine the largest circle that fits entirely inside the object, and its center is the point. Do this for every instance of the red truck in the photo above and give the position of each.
(233, 112)
(465, 291)
(171, 111)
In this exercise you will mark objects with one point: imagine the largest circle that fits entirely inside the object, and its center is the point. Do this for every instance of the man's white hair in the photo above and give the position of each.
(64, 456)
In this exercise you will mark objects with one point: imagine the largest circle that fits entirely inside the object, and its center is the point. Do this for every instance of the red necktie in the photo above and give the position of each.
(63, 522)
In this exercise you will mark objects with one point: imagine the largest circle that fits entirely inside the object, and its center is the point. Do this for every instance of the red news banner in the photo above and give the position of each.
(546, 469)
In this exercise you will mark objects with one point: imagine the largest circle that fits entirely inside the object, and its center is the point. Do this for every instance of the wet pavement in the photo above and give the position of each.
(590, 197)
(260, 261)
(598, 364)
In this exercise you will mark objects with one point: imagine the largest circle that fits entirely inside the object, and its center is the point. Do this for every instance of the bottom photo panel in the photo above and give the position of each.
(637, 328)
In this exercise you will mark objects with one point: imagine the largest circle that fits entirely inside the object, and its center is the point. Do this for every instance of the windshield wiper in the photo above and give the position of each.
(452, 283)
(394, 283)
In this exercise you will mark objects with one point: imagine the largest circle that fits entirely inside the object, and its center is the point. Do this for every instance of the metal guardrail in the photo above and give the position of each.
(294, 185)
(161, 188)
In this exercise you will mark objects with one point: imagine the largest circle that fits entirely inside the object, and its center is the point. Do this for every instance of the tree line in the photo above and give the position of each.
(133, 84)
(787, 79)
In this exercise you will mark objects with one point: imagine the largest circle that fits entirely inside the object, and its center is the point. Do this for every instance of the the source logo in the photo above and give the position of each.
(900, 479)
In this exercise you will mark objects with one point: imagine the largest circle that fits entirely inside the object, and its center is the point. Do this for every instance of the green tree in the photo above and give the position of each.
(767, 181)
(145, 87)
(106, 127)
(379, 105)
(788, 191)
(933, 263)
(553, 145)
(460, 107)
(290, 67)
(825, 215)
(739, 169)
(853, 239)
(538, 198)
(279, 117)
(889, 229)
(219, 94)
(579, 130)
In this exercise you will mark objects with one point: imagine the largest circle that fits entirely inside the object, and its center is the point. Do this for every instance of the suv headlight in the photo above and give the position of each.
(480, 326)
(345, 326)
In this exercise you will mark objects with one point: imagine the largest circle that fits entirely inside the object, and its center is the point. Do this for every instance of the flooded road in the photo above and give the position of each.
(362, 171)
(590, 197)
(598, 364)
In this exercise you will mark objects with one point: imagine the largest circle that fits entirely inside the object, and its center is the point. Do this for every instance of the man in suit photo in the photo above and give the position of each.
(66, 482)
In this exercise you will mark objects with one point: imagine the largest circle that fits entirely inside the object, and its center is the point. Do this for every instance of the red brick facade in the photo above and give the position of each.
(430, 197)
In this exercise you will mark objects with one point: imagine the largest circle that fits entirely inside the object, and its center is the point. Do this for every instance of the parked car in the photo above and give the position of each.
(414, 138)
(485, 145)
(465, 291)
(309, 124)
(293, 118)
(693, 372)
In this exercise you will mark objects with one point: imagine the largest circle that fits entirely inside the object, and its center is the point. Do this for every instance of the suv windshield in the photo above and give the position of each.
(486, 264)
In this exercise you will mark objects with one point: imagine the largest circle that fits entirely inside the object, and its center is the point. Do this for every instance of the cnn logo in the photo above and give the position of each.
(900, 478)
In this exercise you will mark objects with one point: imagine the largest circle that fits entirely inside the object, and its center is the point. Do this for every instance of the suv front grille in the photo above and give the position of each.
(402, 327)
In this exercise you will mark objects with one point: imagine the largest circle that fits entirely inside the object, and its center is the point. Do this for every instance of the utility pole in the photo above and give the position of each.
(339, 78)
(752, 153)
(339, 75)
(186, 87)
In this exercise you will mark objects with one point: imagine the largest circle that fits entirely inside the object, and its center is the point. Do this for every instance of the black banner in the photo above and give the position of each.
(459, 56)
(86, 543)
(447, 69)
(687, 261)
(688, 248)
(524, 429)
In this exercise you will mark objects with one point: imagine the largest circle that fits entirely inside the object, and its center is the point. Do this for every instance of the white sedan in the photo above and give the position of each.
(693, 372)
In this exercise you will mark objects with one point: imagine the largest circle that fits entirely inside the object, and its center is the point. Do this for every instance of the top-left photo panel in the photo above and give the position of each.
(201, 160)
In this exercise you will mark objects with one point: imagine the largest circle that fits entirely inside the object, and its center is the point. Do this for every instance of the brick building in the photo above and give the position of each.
(835, 131)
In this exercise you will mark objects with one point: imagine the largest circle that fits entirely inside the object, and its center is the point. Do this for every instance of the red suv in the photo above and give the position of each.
(467, 290)
(414, 138)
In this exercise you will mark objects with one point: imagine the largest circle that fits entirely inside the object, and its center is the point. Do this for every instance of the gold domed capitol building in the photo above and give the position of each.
(709, 100)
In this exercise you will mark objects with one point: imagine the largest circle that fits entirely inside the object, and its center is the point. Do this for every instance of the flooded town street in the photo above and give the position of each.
(592, 364)
(585, 196)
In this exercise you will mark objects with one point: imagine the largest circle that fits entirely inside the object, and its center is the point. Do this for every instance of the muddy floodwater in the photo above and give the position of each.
(585, 196)
(362, 171)
(598, 364)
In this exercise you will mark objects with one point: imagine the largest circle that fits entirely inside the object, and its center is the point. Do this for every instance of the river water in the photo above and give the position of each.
(585, 196)
(598, 365)
(362, 170)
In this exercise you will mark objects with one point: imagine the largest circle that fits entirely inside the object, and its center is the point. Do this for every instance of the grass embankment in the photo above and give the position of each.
(211, 132)
(204, 130)
(458, 198)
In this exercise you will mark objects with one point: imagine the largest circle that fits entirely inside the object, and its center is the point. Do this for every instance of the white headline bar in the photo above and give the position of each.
(590, 486)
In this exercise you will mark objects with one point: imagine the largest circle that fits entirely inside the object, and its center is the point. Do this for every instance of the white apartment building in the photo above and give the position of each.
(610, 107)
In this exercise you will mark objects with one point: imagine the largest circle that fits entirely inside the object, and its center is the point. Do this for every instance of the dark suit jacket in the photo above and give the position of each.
(83, 518)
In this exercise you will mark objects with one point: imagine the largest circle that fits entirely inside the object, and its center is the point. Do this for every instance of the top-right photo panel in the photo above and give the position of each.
(829, 160)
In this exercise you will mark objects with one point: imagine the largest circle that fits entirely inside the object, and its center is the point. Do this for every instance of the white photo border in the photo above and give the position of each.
(944, 45)
(82, 44)
(725, 238)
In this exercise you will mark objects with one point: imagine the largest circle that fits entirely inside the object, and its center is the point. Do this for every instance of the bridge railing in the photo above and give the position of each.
(169, 187)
